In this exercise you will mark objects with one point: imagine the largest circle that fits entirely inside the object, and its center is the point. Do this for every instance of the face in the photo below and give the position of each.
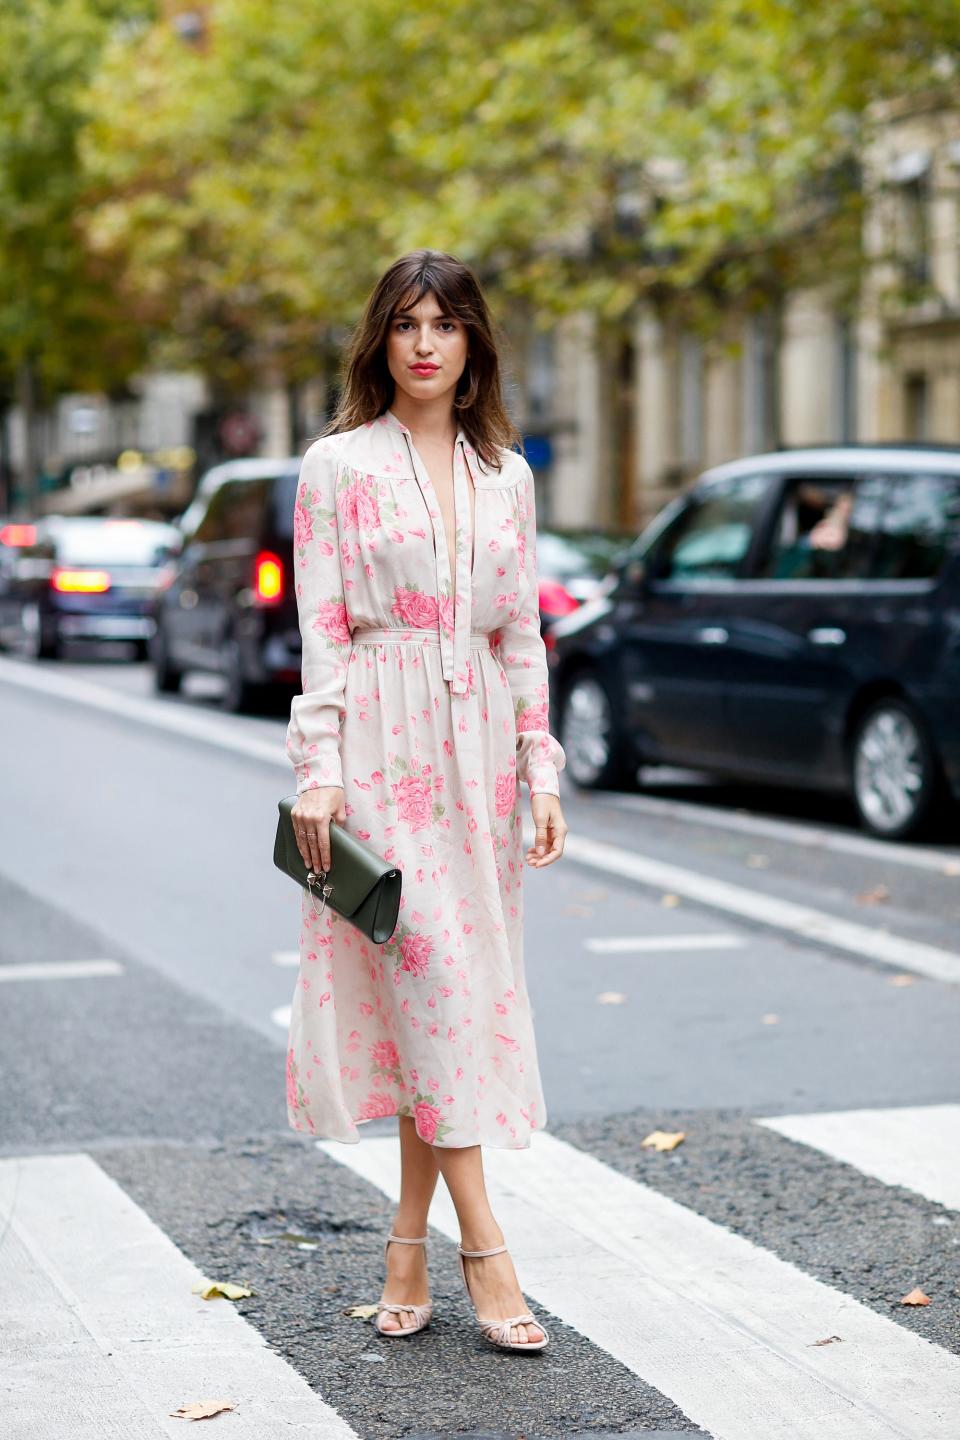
(426, 350)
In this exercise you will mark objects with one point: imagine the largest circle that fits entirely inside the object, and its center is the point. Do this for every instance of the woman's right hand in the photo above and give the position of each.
(312, 815)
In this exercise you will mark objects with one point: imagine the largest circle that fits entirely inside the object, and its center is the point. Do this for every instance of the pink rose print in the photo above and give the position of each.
(302, 526)
(416, 951)
(506, 792)
(414, 608)
(385, 1055)
(445, 613)
(291, 1081)
(377, 1106)
(532, 717)
(357, 505)
(331, 620)
(413, 794)
(426, 1117)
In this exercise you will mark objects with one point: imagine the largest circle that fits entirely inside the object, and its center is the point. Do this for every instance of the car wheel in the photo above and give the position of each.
(167, 679)
(596, 754)
(894, 768)
(239, 695)
(39, 643)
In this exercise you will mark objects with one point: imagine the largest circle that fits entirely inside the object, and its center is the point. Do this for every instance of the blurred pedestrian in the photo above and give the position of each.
(424, 705)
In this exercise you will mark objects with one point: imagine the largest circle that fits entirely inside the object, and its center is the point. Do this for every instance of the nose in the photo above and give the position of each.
(424, 340)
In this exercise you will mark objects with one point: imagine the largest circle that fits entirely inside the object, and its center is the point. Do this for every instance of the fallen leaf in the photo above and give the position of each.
(664, 1139)
(771, 1019)
(202, 1409)
(360, 1312)
(879, 895)
(610, 997)
(213, 1289)
(670, 901)
(590, 897)
(828, 1341)
(576, 910)
(758, 862)
(952, 867)
(916, 1297)
(903, 980)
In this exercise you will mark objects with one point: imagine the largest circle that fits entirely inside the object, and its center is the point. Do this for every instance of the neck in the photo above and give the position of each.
(432, 419)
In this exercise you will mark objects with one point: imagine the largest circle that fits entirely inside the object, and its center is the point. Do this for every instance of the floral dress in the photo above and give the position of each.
(425, 696)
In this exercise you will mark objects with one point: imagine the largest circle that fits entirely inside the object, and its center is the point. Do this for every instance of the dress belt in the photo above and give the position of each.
(369, 635)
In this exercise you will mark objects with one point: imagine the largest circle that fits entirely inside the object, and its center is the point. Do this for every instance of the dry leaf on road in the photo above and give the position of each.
(916, 1297)
(879, 895)
(610, 997)
(770, 1019)
(663, 1139)
(903, 980)
(670, 900)
(758, 862)
(213, 1289)
(202, 1409)
(360, 1312)
(828, 1341)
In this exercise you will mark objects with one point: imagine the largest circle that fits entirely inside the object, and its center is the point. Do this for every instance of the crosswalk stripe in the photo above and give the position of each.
(723, 1328)
(630, 944)
(103, 1335)
(916, 1146)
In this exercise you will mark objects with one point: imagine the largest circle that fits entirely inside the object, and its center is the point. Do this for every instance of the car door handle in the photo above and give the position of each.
(827, 635)
(713, 635)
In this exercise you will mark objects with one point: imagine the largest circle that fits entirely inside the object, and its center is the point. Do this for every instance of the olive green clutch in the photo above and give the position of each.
(359, 886)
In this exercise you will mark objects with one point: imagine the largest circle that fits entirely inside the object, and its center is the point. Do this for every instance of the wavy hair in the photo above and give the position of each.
(368, 386)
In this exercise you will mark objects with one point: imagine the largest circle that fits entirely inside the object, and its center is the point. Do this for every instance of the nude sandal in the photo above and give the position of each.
(421, 1313)
(498, 1331)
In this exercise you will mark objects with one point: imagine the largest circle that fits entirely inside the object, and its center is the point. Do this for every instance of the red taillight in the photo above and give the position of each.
(80, 582)
(16, 535)
(268, 577)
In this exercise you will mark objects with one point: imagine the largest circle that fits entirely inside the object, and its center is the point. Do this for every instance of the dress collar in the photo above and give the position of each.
(392, 422)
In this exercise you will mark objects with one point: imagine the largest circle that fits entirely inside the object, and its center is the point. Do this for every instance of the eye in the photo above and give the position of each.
(402, 324)
(448, 325)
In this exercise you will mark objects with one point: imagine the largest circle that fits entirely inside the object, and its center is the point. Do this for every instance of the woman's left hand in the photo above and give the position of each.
(551, 831)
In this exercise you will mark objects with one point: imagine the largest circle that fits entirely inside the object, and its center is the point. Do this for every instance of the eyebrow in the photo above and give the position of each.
(408, 314)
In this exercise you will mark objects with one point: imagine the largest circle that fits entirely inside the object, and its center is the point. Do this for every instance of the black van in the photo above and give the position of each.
(231, 608)
(794, 618)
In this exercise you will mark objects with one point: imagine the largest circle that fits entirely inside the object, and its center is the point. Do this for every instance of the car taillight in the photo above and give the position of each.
(17, 535)
(268, 577)
(80, 582)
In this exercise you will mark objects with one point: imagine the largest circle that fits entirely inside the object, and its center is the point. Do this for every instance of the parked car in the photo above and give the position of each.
(231, 609)
(572, 566)
(81, 578)
(794, 618)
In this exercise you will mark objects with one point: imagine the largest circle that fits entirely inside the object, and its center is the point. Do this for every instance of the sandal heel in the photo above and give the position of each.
(498, 1331)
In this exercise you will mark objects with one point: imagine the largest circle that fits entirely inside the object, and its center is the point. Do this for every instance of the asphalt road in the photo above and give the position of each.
(678, 982)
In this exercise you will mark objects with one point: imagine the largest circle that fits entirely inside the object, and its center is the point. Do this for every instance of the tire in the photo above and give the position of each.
(239, 695)
(167, 679)
(40, 643)
(894, 770)
(597, 754)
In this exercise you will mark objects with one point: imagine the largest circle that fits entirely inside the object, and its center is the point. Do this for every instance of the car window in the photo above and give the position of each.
(710, 537)
(210, 523)
(920, 522)
(826, 528)
(114, 542)
(284, 504)
(243, 509)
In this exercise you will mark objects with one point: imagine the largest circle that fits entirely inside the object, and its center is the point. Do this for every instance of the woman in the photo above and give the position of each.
(424, 705)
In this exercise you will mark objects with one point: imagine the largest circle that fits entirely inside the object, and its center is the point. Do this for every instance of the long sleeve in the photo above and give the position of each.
(313, 734)
(524, 658)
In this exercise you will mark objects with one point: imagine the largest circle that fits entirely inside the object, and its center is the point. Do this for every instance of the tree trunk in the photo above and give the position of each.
(29, 488)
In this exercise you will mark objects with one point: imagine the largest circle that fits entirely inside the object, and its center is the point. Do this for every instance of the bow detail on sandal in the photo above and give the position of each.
(498, 1331)
(422, 1314)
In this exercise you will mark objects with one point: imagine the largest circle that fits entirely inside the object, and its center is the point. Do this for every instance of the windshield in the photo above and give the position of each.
(114, 542)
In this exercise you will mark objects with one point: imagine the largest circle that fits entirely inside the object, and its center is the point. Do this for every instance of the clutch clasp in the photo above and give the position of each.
(326, 890)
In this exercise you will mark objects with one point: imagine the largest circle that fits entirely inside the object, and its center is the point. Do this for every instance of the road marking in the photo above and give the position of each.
(286, 957)
(815, 925)
(161, 716)
(107, 1337)
(60, 970)
(916, 1146)
(624, 944)
(281, 1016)
(922, 857)
(723, 1328)
(830, 930)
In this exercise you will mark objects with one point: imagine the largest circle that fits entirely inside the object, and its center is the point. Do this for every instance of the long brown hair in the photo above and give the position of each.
(368, 386)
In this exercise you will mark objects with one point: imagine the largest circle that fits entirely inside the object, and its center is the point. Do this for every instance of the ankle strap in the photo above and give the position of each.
(478, 1254)
(405, 1240)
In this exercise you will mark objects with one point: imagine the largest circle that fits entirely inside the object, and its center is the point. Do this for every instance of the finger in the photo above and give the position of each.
(315, 851)
(542, 842)
(324, 829)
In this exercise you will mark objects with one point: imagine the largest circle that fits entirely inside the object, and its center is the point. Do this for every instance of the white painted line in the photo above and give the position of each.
(792, 832)
(723, 1328)
(281, 1016)
(878, 945)
(59, 970)
(103, 1334)
(625, 944)
(176, 719)
(286, 957)
(916, 1146)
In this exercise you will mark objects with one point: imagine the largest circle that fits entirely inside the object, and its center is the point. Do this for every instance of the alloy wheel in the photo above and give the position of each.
(891, 770)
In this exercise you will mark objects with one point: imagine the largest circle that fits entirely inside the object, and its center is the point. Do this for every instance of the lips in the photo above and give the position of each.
(424, 369)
